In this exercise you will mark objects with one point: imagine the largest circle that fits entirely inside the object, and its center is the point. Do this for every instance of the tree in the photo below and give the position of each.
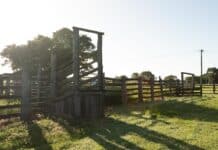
(212, 75)
(146, 75)
(135, 75)
(34, 52)
(170, 78)
(63, 45)
(37, 51)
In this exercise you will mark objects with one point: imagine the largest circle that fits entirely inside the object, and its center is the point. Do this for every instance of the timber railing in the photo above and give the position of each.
(134, 90)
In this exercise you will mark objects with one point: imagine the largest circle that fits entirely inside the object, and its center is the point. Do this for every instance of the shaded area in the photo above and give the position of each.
(8, 121)
(108, 133)
(37, 139)
(188, 111)
(121, 128)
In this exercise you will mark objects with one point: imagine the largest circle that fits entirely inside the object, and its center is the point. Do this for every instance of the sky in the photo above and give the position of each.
(161, 36)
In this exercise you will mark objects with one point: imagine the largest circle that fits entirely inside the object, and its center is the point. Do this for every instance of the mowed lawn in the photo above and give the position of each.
(177, 123)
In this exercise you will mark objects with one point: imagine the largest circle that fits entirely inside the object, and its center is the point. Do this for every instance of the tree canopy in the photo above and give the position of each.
(170, 78)
(147, 75)
(37, 51)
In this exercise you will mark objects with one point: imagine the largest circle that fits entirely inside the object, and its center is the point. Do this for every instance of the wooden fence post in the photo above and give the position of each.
(140, 90)
(152, 88)
(1, 85)
(38, 81)
(53, 74)
(177, 88)
(100, 73)
(214, 87)
(99, 57)
(170, 87)
(25, 102)
(124, 91)
(161, 88)
(76, 65)
(193, 85)
(182, 83)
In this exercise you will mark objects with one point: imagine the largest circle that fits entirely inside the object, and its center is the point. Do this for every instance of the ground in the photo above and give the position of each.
(176, 123)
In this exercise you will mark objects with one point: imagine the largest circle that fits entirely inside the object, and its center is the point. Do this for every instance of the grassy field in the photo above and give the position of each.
(182, 123)
(5, 102)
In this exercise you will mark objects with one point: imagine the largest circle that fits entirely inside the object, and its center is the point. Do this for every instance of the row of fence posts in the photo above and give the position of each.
(140, 90)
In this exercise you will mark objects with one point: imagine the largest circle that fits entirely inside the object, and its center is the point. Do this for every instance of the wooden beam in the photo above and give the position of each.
(53, 74)
(124, 91)
(140, 90)
(76, 68)
(88, 30)
(25, 101)
(99, 60)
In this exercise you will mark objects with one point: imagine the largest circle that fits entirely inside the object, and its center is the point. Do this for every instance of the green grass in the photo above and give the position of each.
(182, 123)
(4, 102)
(7, 102)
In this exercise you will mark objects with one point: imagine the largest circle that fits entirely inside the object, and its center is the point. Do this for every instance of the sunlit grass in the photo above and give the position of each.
(4, 102)
(178, 123)
(9, 102)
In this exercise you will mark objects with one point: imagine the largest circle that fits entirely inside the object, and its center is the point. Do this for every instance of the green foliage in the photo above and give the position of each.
(135, 75)
(37, 51)
(147, 75)
(212, 75)
(170, 78)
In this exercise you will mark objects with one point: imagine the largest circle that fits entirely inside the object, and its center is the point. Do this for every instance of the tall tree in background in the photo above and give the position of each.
(34, 52)
(37, 51)
(63, 45)
(170, 78)
(147, 75)
(212, 75)
(135, 75)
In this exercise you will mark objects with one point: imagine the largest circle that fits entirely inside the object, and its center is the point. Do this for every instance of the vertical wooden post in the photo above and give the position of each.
(214, 87)
(53, 74)
(38, 81)
(7, 86)
(100, 64)
(152, 88)
(182, 80)
(193, 85)
(76, 66)
(140, 90)
(25, 102)
(1, 86)
(177, 88)
(161, 88)
(124, 91)
(170, 87)
(100, 73)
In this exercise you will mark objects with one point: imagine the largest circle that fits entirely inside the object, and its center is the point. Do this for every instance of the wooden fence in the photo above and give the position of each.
(128, 90)
(210, 88)
(139, 90)
(134, 90)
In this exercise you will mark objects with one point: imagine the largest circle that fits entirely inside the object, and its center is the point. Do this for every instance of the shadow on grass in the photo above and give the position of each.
(37, 139)
(108, 133)
(184, 110)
